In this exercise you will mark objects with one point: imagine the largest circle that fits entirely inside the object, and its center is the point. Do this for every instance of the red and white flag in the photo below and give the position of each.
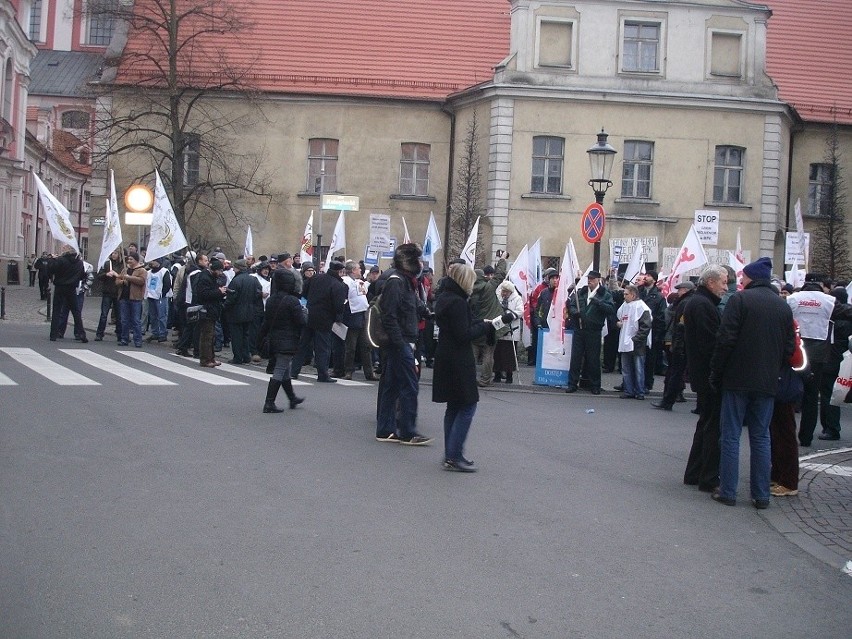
(690, 256)
(519, 276)
(307, 250)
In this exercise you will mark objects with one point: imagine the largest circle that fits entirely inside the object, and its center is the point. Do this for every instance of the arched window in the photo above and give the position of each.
(75, 120)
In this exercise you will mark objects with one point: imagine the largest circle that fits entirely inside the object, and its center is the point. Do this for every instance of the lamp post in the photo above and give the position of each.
(139, 200)
(319, 231)
(601, 159)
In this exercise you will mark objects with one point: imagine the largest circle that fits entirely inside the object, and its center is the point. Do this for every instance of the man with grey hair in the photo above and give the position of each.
(701, 319)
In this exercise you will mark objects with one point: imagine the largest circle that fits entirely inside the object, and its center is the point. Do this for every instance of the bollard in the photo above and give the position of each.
(47, 297)
(2, 302)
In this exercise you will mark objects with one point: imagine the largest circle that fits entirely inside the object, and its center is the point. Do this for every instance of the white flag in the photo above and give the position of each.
(634, 266)
(574, 263)
(338, 240)
(739, 254)
(166, 236)
(57, 216)
(584, 278)
(307, 249)
(406, 238)
(517, 274)
(690, 256)
(800, 228)
(112, 234)
(468, 253)
(534, 269)
(556, 317)
(248, 251)
(432, 244)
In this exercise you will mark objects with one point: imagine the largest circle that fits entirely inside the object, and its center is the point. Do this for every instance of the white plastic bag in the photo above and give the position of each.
(842, 393)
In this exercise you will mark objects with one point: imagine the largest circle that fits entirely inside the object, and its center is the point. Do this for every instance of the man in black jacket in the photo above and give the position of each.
(244, 292)
(651, 295)
(754, 341)
(700, 323)
(326, 296)
(208, 292)
(676, 370)
(67, 271)
(589, 308)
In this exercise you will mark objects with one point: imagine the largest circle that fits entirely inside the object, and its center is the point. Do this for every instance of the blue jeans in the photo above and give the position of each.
(633, 372)
(131, 320)
(457, 419)
(397, 399)
(158, 315)
(107, 303)
(754, 411)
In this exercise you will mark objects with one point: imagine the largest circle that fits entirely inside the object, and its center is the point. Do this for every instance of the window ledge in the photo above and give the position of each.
(639, 72)
(315, 194)
(636, 200)
(728, 205)
(545, 196)
(415, 198)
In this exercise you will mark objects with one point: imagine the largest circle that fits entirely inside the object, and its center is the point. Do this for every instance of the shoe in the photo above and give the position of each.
(270, 407)
(99, 338)
(571, 389)
(387, 438)
(209, 365)
(216, 362)
(661, 405)
(695, 411)
(150, 339)
(828, 437)
(347, 376)
(327, 380)
(120, 343)
(52, 339)
(183, 353)
(497, 377)
(509, 378)
(707, 489)
(85, 340)
(620, 387)
(595, 391)
(255, 359)
(782, 491)
(626, 396)
(760, 504)
(416, 440)
(680, 399)
(296, 401)
(371, 378)
(482, 384)
(336, 375)
(607, 370)
(805, 445)
(717, 496)
(640, 397)
(234, 361)
(459, 466)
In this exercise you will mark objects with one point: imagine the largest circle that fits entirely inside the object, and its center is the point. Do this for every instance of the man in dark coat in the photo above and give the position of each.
(42, 265)
(401, 309)
(485, 305)
(207, 292)
(700, 323)
(841, 316)
(326, 296)
(676, 370)
(110, 294)
(589, 308)
(244, 292)
(67, 271)
(651, 295)
(755, 339)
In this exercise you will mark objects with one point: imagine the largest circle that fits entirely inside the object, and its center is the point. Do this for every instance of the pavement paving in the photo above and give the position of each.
(818, 519)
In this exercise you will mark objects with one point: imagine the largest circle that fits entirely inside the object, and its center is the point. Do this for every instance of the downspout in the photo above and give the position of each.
(451, 163)
(38, 208)
(80, 213)
(789, 185)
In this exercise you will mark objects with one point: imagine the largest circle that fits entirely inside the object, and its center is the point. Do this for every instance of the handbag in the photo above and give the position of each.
(195, 313)
(790, 387)
(842, 392)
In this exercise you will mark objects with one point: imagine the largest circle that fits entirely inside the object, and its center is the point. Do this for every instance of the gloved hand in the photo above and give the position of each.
(508, 316)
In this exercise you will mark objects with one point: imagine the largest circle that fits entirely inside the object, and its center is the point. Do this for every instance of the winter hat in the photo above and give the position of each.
(241, 264)
(406, 257)
(284, 256)
(335, 266)
(284, 280)
(307, 266)
(216, 264)
(760, 269)
(840, 294)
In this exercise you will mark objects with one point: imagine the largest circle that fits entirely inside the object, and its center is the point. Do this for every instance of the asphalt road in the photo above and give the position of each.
(183, 511)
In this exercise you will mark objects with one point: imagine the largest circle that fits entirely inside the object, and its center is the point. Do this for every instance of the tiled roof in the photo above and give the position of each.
(64, 145)
(404, 48)
(809, 56)
(64, 73)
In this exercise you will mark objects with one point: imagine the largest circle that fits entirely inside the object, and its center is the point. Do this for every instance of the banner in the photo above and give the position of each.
(468, 253)
(690, 256)
(573, 262)
(634, 266)
(307, 250)
(432, 243)
(112, 234)
(338, 240)
(166, 236)
(535, 263)
(57, 216)
(248, 251)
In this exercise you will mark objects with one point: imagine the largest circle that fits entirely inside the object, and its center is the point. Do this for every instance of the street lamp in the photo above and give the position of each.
(601, 159)
(138, 200)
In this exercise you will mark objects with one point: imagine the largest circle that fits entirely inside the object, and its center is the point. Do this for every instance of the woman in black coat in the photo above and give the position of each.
(454, 379)
(283, 320)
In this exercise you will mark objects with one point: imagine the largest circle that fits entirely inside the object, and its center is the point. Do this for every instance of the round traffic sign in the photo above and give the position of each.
(592, 223)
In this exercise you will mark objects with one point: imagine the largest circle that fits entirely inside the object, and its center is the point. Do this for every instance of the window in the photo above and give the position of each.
(75, 120)
(35, 21)
(555, 44)
(191, 164)
(820, 183)
(725, 55)
(636, 174)
(87, 201)
(728, 174)
(322, 165)
(414, 169)
(641, 47)
(548, 153)
(100, 21)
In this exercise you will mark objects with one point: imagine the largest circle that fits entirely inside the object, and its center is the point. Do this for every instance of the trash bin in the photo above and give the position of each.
(13, 274)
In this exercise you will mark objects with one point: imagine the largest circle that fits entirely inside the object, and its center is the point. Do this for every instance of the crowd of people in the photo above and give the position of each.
(755, 351)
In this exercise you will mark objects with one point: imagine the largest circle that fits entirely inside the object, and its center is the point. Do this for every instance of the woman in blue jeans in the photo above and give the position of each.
(454, 381)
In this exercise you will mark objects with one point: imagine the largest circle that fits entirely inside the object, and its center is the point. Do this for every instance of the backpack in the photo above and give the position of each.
(376, 333)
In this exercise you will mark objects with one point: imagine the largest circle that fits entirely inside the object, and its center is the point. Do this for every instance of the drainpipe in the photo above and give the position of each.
(80, 212)
(451, 164)
(38, 208)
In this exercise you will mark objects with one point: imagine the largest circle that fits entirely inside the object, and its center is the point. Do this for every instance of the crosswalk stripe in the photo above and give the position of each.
(180, 369)
(247, 372)
(7, 381)
(46, 368)
(127, 373)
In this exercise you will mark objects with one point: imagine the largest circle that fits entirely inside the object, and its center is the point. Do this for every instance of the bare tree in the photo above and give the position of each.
(171, 94)
(467, 196)
(830, 238)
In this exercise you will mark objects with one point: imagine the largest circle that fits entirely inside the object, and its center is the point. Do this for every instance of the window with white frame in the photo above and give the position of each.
(555, 40)
(100, 21)
(547, 161)
(637, 169)
(728, 174)
(322, 165)
(191, 158)
(640, 51)
(820, 183)
(87, 201)
(34, 30)
(414, 169)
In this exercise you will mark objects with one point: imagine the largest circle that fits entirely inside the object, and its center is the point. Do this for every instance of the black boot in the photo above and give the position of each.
(509, 379)
(498, 377)
(287, 385)
(271, 391)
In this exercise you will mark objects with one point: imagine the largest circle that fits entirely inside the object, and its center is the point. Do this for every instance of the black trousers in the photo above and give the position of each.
(65, 296)
(586, 358)
(674, 377)
(811, 403)
(702, 467)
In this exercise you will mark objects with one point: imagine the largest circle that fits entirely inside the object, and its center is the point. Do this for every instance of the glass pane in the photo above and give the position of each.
(718, 185)
(537, 185)
(422, 187)
(538, 167)
(629, 150)
(721, 155)
(631, 30)
(408, 151)
(645, 151)
(555, 147)
(554, 185)
(735, 157)
(643, 189)
(649, 58)
(629, 171)
(648, 31)
(422, 152)
(539, 145)
(554, 167)
(406, 186)
(631, 55)
(406, 170)
(644, 172)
